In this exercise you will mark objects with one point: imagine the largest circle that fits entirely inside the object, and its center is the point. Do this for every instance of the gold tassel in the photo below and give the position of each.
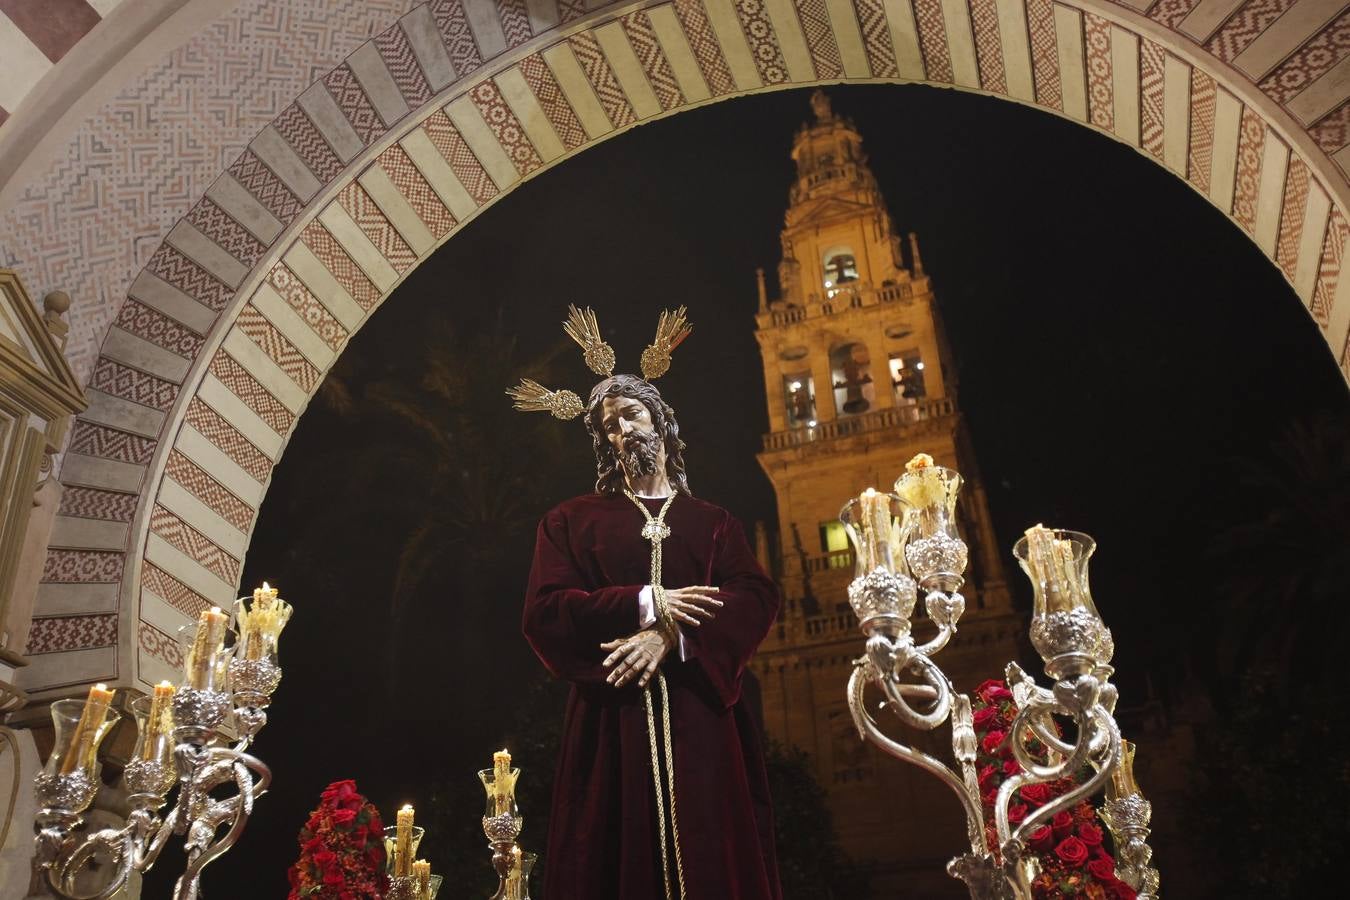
(531, 396)
(582, 327)
(672, 328)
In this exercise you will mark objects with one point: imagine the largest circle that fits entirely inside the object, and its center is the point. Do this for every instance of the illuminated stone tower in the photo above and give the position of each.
(858, 379)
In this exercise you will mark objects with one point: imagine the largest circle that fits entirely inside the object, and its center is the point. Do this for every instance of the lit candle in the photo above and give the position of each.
(403, 842)
(421, 873)
(159, 721)
(513, 875)
(260, 625)
(206, 647)
(502, 782)
(81, 751)
(1051, 564)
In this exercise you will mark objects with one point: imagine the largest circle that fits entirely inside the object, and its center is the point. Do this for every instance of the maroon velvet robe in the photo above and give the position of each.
(590, 563)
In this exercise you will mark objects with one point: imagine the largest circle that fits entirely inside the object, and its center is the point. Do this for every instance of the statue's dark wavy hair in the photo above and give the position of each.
(609, 474)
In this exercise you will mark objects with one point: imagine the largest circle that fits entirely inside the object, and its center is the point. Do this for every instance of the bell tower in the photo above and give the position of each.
(858, 378)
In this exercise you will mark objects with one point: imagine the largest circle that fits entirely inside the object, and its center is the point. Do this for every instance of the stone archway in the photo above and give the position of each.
(208, 355)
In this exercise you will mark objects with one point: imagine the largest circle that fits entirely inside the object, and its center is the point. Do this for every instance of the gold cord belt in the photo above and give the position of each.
(656, 530)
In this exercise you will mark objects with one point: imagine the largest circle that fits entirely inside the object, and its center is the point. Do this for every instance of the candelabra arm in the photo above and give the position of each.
(938, 641)
(1098, 734)
(222, 764)
(868, 729)
(1027, 693)
(888, 658)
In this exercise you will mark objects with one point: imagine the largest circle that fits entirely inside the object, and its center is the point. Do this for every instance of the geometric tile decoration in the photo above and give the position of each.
(160, 645)
(1251, 145)
(181, 597)
(194, 544)
(82, 566)
(876, 35)
(989, 50)
(58, 633)
(215, 495)
(1333, 253)
(820, 38)
(1204, 96)
(1152, 64)
(545, 88)
(1045, 53)
(504, 124)
(593, 63)
(933, 35)
(704, 43)
(247, 140)
(92, 503)
(641, 34)
(763, 41)
(1101, 89)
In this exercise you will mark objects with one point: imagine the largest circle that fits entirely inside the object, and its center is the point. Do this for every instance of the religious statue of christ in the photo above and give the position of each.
(650, 603)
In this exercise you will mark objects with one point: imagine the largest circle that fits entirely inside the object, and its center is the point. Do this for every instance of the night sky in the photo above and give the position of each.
(1122, 348)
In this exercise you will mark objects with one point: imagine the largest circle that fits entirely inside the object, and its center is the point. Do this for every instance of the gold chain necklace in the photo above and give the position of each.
(655, 531)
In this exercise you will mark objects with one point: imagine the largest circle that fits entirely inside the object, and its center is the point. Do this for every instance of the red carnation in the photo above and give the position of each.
(1010, 767)
(1072, 851)
(985, 717)
(992, 740)
(987, 775)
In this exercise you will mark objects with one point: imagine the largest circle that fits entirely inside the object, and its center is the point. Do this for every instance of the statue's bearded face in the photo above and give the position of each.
(628, 427)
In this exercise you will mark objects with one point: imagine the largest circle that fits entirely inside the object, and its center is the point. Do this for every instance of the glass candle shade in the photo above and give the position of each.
(872, 522)
(501, 815)
(518, 888)
(1065, 627)
(391, 843)
(151, 768)
(434, 886)
(69, 779)
(206, 659)
(933, 547)
(258, 624)
(1122, 783)
(882, 593)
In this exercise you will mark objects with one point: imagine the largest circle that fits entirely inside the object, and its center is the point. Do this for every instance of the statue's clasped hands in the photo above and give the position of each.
(639, 655)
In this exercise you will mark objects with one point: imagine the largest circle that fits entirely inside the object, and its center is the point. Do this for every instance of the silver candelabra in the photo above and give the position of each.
(907, 542)
(179, 742)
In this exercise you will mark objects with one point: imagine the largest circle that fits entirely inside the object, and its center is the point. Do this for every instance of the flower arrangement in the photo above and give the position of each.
(341, 849)
(1073, 859)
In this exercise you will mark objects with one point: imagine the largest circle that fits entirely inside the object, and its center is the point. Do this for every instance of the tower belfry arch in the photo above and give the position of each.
(230, 202)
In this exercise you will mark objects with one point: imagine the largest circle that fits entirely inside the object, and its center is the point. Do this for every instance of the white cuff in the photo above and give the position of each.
(647, 615)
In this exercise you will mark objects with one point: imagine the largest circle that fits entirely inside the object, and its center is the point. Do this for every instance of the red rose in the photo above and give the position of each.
(987, 777)
(1090, 835)
(1016, 813)
(987, 685)
(1041, 839)
(1121, 891)
(324, 858)
(344, 817)
(990, 797)
(1062, 823)
(992, 740)
(1072, 851)
(1103, 870)
(1038, 795)
(984, 716)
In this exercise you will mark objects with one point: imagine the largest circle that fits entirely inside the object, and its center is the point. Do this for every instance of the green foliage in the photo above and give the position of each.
(811, 863)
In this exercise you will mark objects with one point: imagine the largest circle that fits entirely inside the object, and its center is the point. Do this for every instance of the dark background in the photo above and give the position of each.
(1129, 363)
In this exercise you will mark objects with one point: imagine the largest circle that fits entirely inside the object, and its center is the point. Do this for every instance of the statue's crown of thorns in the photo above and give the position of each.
(581, 326)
